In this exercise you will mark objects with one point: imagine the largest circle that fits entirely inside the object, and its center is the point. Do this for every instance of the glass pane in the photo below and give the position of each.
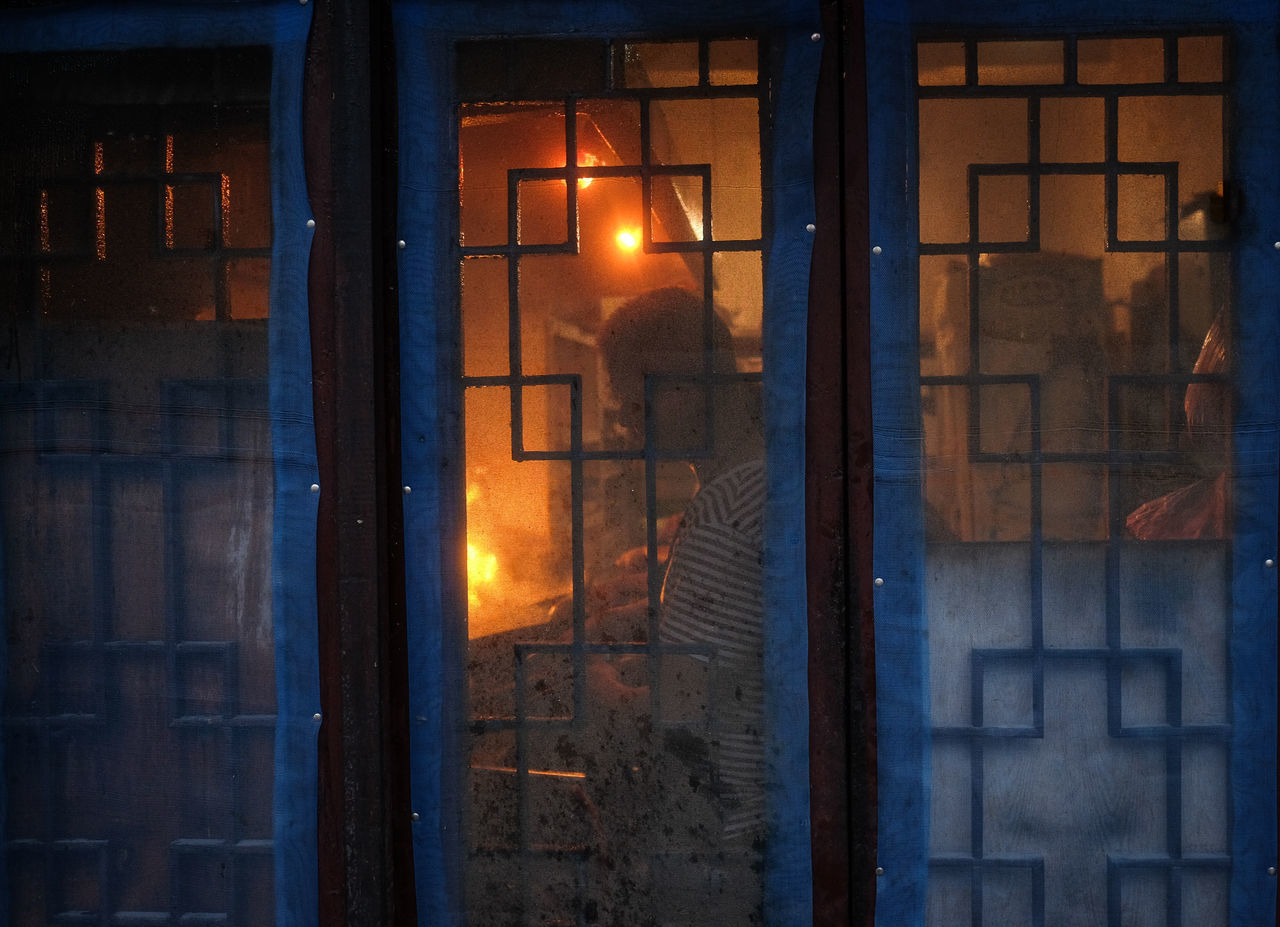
(1075, 376)
(1020, 62)
(725, 134)
(734, 62)
(1071, 129)
(1120, 61)
(137, 476)
(940, 64)
(947, 152)
(661, 64)
(614, 492)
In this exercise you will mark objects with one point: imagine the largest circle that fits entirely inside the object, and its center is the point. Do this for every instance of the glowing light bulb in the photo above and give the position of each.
(628, 239)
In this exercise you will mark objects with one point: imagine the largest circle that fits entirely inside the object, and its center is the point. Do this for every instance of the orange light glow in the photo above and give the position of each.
(628, 239)
(587, 160)
(482, 569)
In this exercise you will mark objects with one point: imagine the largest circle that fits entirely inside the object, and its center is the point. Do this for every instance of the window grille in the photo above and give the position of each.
(1077, 216)
(140, 701)
(595, 176)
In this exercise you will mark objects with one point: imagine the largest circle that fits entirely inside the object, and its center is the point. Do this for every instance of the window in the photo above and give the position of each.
(140, 695)
(158, 564)
(604, 759)
(1067, 608)
(1075, 326)
(612, 291)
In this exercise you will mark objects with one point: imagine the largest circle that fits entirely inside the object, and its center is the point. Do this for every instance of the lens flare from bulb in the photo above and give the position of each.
(628, 239)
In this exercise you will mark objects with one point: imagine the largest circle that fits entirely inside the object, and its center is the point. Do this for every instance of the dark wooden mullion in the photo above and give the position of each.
(838, 488)
(365, 866)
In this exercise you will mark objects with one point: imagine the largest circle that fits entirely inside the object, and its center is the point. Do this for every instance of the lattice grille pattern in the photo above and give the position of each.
(139, 708)
(1075, 357)
(585, 705)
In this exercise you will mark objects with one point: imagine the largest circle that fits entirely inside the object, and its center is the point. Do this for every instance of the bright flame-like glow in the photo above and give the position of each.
(587, 160)
(482, 569)
(628, 239)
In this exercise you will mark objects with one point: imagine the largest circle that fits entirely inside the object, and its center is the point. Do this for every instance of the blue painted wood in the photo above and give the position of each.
(902, 720)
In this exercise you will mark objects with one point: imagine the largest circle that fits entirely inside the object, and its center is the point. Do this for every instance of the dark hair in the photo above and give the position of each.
(664, 322)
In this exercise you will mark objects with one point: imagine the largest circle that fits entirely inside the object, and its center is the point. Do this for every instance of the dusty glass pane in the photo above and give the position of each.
(1185, 129)
(248, 282)
(739, 298)
(1120, 61)
(483, 166)
(1071, 129)
(947, 149)
(661, 64)
(608, 133)
(1004, 208)
(542, 212)
(678, 196)
(484, 307)
(1077, 501)
(1073, 214)
(944, 315)
(724, 134)
(1200, 58)
(734, 62)
(1020, 63)
(1141, 210)
(940, 64)
(614, 493)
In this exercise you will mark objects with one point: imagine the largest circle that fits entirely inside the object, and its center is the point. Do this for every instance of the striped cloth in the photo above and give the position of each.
(712, 597)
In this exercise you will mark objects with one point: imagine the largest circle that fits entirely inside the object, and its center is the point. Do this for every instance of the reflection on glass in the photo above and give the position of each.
(614, 492)
(1076, 409)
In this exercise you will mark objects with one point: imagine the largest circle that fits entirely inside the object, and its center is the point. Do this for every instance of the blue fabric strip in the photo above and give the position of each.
(902, 699)
(283, 25)
(428, 282)
(788, 869)
(902, 715)
(1256, 344)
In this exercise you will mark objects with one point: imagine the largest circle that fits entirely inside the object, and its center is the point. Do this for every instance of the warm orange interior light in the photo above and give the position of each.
(482, 569)
(628, 239)
(587, 159)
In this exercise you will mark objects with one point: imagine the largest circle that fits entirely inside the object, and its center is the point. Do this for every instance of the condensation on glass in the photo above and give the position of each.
(1075, 324)
(611, 228)
(136, 479)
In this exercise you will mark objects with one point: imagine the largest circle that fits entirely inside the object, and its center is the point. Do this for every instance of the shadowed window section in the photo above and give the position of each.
(136, 477)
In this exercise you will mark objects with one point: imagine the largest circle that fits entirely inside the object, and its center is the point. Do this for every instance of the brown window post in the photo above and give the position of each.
(366, 872)
(839, 488)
